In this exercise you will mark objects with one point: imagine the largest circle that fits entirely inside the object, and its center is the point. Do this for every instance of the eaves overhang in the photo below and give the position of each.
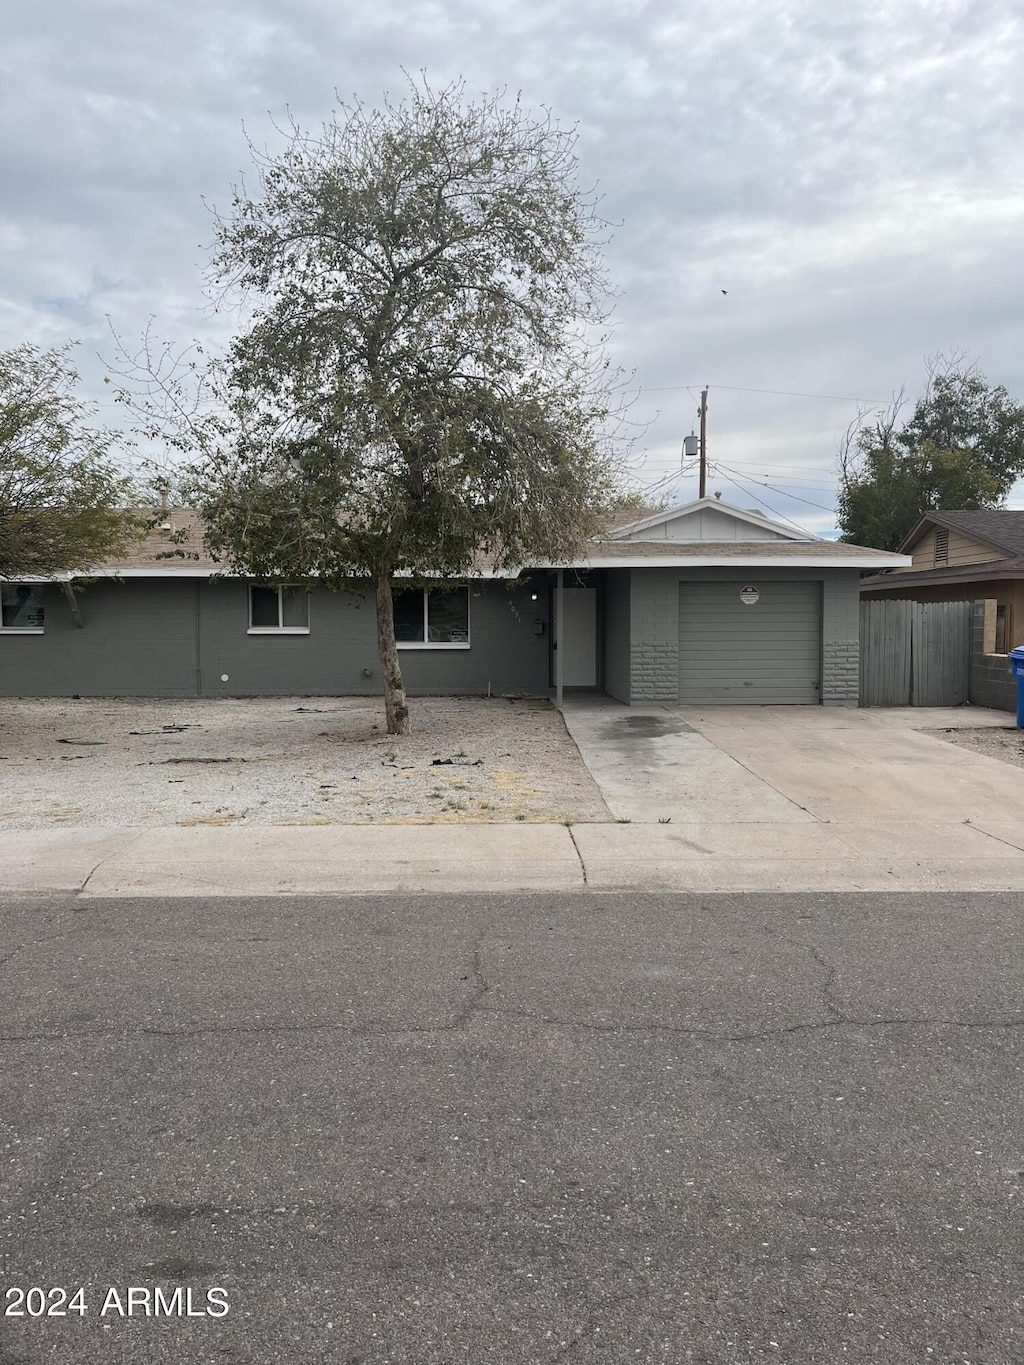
(990, 570)
(201, 573)
(884, 560)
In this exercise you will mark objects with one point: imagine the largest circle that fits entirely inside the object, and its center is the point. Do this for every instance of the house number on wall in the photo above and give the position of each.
(749, 595)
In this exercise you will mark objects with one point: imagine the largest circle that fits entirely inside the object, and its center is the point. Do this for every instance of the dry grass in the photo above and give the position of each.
(287, 761)
(1003, 742)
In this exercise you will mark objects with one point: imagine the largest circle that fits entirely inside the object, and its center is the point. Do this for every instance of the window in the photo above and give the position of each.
(437, 619)
(1002, 630)
(278, 610)
(22, 607)
(942, 545)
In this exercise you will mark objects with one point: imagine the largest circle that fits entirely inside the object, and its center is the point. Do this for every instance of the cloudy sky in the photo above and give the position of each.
(851, 174)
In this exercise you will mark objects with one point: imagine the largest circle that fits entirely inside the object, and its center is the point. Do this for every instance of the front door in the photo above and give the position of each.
(577, 638)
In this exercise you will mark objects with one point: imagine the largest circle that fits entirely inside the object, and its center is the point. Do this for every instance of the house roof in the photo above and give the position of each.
(711, 532)
(1010, 568)
(174, 548)
(749, 515)
(608, 554)
(998, 527)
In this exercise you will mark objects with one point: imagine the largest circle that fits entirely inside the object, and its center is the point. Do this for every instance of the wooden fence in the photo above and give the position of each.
(914, 653)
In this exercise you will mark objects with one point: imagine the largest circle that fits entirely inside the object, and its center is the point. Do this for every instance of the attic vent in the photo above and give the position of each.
(941, 545)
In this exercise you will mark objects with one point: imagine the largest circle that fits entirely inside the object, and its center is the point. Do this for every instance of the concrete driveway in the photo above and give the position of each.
(781, 786)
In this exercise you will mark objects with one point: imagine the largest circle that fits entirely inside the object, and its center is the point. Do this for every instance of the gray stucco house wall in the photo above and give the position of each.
(617, 608)
(180, 637)
(136, 638)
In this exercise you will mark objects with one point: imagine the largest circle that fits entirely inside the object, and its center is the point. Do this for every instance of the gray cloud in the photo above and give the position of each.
(850, 174)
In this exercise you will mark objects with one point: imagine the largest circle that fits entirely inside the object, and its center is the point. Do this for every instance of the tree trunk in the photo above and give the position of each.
(394, 688)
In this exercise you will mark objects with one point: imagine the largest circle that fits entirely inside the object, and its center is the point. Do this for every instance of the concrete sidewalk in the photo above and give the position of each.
(349, 859)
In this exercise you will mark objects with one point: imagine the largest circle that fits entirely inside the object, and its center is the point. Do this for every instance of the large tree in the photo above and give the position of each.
(421, 377)
(961, 449)
(62, 494)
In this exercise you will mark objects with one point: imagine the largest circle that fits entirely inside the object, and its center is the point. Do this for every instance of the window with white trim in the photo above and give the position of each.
(278, 611)
(432, 618)
(21, 611)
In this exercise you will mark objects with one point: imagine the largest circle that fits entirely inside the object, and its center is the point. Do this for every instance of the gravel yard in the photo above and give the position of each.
(1004, 742)
(287, 760)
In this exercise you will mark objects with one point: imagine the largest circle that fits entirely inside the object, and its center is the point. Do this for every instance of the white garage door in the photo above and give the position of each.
(767, 653)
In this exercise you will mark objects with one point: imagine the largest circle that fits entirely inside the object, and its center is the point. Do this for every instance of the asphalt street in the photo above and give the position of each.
(519, 1129)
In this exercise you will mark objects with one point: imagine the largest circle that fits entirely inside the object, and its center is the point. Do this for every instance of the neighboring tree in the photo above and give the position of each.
(960, 411)
(961, 449)
(421, 379)
(63, 499)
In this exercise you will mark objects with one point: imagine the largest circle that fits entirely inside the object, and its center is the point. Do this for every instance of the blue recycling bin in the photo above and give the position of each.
(1017, 669)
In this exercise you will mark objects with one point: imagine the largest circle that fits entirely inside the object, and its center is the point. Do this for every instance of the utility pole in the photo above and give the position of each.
(703, 442)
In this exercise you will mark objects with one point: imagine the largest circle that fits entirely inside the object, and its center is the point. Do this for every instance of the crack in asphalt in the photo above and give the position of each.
(827, 987)
(35, 943)
(475, 1004)
(713, 1035)
(581, 1026)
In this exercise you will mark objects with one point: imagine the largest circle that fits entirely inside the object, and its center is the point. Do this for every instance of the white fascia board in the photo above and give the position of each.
(890, 561)
(224, 573)
(112, 573)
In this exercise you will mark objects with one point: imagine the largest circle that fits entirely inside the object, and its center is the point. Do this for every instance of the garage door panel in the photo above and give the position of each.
(765, 654)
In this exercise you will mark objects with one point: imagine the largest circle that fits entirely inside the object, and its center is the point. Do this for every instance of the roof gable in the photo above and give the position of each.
(707, 520)
(997, 527)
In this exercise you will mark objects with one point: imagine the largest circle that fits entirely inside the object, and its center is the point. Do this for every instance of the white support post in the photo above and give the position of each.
(559, 618)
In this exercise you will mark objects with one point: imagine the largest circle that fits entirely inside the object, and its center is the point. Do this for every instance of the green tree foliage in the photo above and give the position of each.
(62, 497)
(961, 412)
(961, 449)
(421, 378)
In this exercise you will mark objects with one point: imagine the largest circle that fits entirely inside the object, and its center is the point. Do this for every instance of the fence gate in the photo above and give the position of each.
(914, 653)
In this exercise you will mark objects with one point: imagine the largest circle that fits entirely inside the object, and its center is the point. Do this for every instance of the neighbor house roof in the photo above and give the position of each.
(998, 527)
(989, 569)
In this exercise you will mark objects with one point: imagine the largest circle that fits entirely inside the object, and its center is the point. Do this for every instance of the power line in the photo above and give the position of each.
(740, 469)
(790, 393)
(798, 468)
(748, 493)
(784, 491)
(795, 480)
(739, 388)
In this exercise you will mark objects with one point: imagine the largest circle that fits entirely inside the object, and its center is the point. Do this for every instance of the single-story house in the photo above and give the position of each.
(703, 603)
(960, 556)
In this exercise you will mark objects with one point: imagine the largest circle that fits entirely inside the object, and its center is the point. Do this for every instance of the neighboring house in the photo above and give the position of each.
(959, 556)
(704, 603)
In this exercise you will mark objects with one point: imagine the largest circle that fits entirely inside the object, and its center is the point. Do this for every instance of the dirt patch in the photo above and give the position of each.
(287, 761)
(1002, 742)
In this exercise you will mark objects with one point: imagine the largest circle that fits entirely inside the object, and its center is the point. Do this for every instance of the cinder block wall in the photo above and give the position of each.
(840, 640)
(654, 636)
(992, 683)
